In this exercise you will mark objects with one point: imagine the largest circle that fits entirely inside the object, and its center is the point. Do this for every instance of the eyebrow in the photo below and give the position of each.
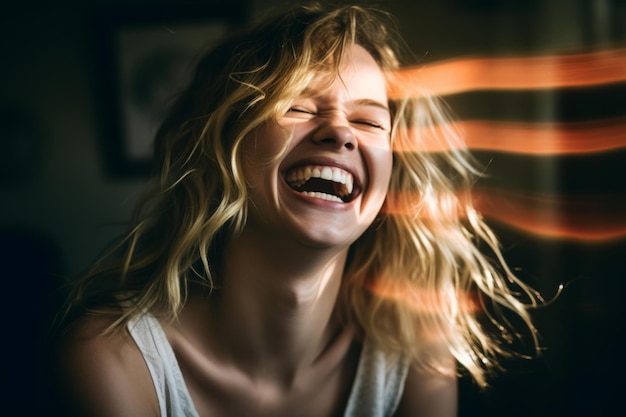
(370, 102)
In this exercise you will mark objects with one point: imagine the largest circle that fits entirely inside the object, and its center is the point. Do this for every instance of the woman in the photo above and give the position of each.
(294, 259)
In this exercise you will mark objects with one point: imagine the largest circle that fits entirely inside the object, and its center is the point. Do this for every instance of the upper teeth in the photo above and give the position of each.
(298, 176)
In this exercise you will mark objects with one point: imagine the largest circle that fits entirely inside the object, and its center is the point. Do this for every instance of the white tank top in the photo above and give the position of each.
(376, 390)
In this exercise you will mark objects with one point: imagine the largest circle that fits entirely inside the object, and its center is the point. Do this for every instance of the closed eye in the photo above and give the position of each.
(300, 110)
(370, 123)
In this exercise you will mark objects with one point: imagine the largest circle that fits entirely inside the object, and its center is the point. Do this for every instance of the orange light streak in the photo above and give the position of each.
(578, 219)
(419, 300)
(530, 138)
(510, 73)
(588, 219)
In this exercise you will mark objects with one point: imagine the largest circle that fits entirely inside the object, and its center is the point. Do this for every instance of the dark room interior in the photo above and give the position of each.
(72, 173)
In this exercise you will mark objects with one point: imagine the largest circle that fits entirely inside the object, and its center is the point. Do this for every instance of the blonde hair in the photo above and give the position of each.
(425, 242)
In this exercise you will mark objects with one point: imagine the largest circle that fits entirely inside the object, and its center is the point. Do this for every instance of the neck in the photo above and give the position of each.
(275, 310)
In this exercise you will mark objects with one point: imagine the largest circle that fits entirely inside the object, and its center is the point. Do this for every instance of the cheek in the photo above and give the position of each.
(382, 163)
(261, 154)
(380, 169)
(268, 141)
(262, 145)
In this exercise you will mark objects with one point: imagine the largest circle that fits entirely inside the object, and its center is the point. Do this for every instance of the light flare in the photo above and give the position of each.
(585, 219)
(582, 218)
(547, 138)
(427, 303)
(442, 208)
(510, 73)
(421, 300)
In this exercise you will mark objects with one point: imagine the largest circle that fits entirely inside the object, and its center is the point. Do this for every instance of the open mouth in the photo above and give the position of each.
(327, 183)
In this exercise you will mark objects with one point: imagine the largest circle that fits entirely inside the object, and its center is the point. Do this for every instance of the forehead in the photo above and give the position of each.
(358, 76)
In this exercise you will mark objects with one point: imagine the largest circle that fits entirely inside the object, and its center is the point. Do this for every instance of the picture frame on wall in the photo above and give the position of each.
(144, 58)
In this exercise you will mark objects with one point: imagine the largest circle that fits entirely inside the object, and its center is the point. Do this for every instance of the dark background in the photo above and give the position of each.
(65, 192)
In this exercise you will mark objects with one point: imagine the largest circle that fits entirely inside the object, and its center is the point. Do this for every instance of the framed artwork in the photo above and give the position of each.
(144, 58)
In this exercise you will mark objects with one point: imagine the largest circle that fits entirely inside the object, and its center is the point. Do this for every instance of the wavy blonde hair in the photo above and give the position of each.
(420, 269)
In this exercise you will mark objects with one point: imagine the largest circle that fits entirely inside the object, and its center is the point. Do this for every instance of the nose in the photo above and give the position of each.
(336, 135)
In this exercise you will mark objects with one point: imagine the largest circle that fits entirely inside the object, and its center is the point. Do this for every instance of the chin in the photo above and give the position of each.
(327, 238)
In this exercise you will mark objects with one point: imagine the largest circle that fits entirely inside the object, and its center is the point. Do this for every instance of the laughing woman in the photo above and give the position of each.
(292, 259)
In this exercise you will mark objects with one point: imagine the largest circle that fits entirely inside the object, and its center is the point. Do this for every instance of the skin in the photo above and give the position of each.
(267, 343)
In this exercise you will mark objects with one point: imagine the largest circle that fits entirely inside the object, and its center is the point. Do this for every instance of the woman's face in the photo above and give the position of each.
(330, 184)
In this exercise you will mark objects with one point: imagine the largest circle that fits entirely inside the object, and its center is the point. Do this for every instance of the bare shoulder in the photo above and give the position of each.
(427, 393)
(103, 375)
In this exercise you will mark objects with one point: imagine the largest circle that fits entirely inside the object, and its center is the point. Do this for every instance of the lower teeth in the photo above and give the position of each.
(323, 196)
